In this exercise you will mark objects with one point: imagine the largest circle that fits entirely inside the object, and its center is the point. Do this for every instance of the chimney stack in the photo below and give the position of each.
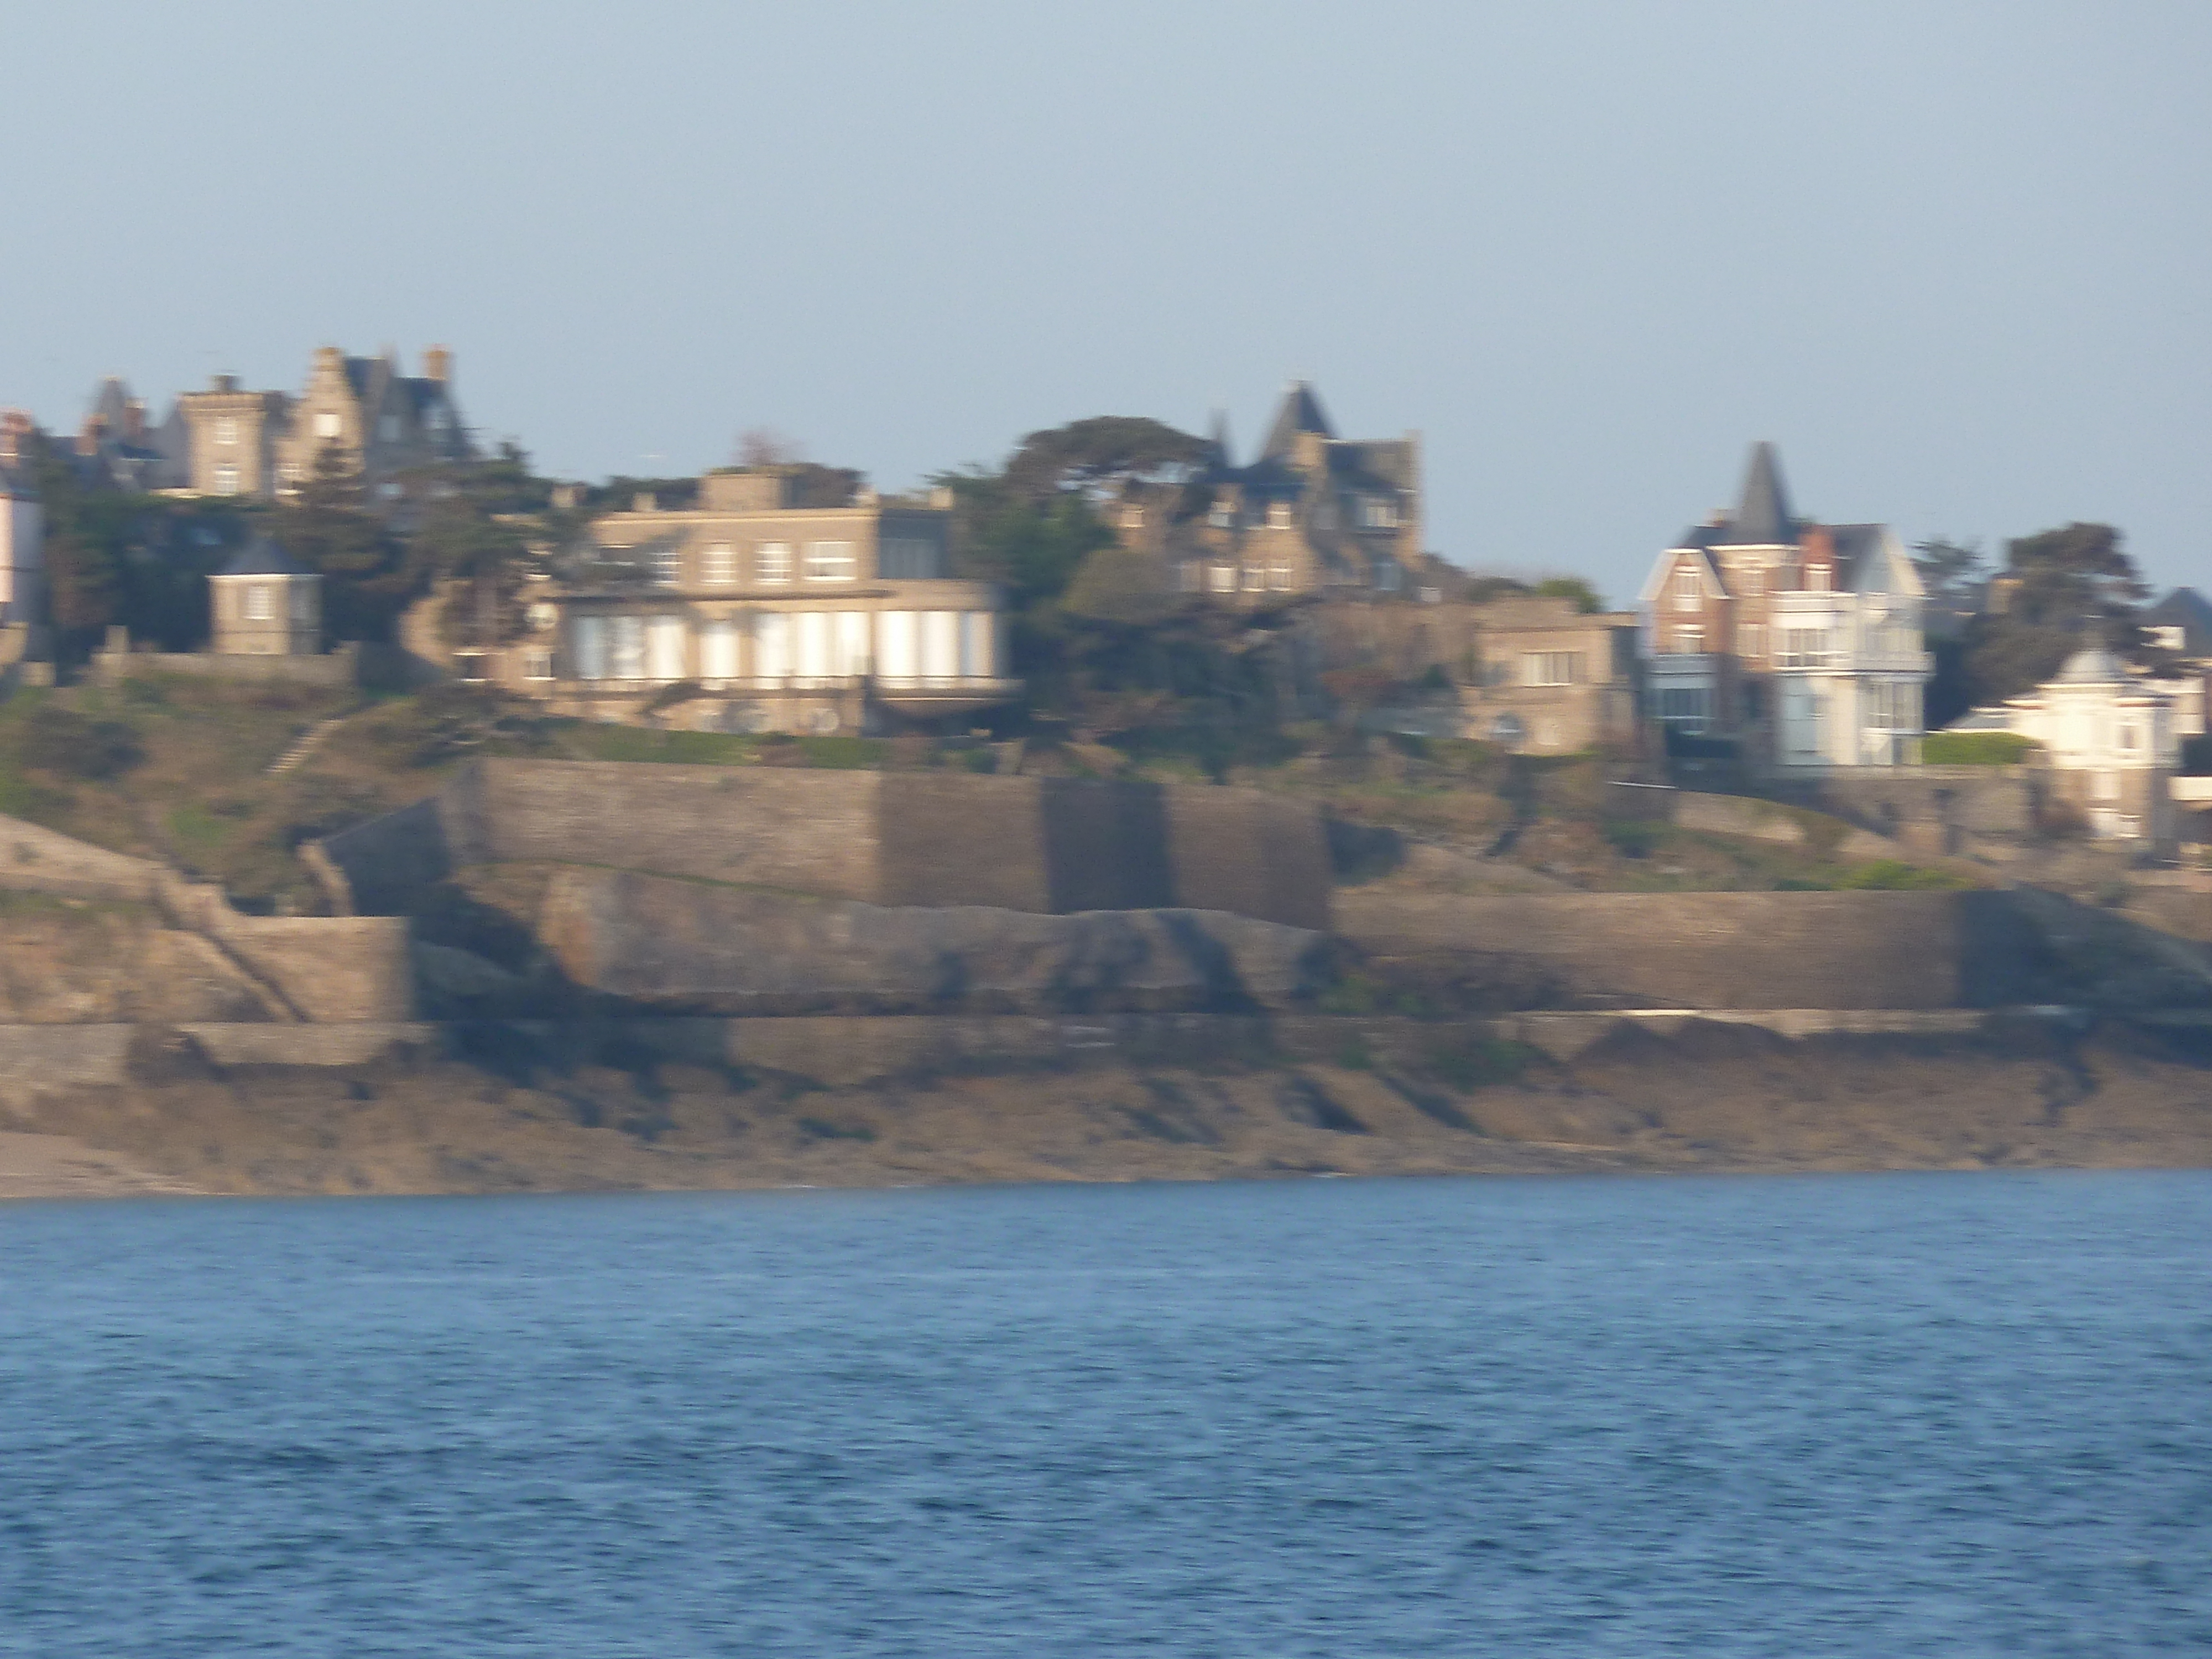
(225, 383)
(438, 364)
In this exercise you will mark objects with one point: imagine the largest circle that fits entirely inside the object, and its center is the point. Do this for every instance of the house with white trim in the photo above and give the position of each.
(1802, 640)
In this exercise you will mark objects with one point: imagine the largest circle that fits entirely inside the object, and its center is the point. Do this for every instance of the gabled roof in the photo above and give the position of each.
(1301, 412)
(263, 556)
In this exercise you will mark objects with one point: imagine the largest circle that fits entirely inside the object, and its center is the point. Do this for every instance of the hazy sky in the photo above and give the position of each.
(1955, 258)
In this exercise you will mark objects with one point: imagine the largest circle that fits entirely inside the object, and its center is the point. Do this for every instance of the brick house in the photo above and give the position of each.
(1802, 641)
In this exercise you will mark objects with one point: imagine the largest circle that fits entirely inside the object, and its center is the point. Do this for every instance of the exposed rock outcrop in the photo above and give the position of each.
(671, 945)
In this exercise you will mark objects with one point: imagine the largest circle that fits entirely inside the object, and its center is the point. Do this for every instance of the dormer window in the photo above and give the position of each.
(1377, 512)
(1688, 590)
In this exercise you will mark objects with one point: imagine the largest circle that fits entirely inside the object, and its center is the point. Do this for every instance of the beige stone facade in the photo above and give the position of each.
(1531, 675)
(262, 604)
(744, 613)
(1313, 512)
(382, 421)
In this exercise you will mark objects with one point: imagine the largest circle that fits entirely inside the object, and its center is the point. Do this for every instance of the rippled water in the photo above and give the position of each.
(1884, 1415)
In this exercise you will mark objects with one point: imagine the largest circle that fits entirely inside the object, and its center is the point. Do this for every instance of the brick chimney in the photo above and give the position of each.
(15, 433)
(438, 364)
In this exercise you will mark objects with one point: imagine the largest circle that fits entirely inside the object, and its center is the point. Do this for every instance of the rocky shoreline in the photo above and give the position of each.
(1700, 1097)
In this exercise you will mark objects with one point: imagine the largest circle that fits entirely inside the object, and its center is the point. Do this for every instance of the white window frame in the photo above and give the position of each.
(1689, 640)
(1222, 579)
(1279, 578)
(1278, 515)
(1547, 668)
(226, 430)
(717, 565)
(668, 567)
(538, 664)
(772, 563)
(226, 479)
(329, 424)
(829, 561)
(260, 601)
(1689, 588)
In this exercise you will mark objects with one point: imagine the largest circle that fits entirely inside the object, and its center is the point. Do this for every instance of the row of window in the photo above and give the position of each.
(721, 565)
(776, 644)
(1230, 578)
(1372, 513)
(329, 425)
(1750, 582)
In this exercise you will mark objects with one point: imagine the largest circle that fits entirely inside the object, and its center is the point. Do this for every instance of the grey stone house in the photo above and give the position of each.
(1312, 511)
(382, 421)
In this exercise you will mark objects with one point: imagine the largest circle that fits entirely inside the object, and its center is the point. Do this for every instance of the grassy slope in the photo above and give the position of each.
(201, 797)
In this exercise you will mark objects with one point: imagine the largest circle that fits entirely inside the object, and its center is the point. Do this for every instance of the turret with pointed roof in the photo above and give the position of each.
(1763, 518)
(1301, 411)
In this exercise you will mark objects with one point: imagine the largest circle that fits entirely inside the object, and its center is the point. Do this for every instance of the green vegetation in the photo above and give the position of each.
(1976, 748)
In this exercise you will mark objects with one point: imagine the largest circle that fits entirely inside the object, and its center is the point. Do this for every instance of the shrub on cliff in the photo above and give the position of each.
(61, 741)
(1975, 748)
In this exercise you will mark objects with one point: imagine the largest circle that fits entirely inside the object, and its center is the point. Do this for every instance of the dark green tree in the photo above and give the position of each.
(476, 530)
(1086, 457)
(328, 526)
(1950, 571)
(2060, 589)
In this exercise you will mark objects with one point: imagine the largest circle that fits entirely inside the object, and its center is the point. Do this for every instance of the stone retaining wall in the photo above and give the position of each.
(1046, 845)
(39, 861)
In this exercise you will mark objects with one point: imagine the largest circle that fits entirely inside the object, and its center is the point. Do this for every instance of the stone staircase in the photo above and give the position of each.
(304, 746)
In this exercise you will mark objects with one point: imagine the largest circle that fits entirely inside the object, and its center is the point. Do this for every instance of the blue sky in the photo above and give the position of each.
(1953, 257)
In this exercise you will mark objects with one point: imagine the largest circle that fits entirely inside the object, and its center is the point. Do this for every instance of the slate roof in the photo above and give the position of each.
(1301, 412)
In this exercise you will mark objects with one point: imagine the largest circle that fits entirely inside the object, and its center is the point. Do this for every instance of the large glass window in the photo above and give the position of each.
(665, 649)
(718, 650)
(587, 647)
(626, 647)
(1551, 668)
(829, 561)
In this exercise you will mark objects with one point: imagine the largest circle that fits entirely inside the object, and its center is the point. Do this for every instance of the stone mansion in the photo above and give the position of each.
(755, 610)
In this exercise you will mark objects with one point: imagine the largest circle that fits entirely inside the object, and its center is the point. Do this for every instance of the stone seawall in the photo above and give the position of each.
(1696, 950)
(1810, 950)
(1050, 846)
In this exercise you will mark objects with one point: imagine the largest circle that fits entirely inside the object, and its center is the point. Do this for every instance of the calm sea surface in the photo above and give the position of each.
(1881, 1415)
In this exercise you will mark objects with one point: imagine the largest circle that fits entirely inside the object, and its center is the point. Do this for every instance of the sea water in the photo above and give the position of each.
(1881, 1415)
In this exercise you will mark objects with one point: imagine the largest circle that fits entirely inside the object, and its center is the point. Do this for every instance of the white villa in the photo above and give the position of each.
(2111, 738)
(1804, 641)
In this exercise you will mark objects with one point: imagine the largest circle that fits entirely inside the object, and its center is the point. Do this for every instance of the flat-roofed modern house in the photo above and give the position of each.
(752, 611)
(1802, 641)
